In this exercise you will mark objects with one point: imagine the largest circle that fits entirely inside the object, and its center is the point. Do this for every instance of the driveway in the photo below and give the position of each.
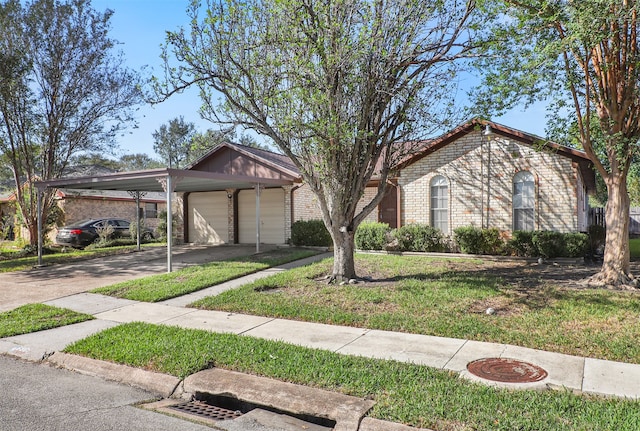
(59, 280)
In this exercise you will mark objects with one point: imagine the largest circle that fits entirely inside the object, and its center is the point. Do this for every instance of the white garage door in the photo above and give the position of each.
(208, 219)
(271, 216)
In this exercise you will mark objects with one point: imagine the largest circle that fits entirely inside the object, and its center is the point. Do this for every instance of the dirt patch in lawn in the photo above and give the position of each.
(527, 276)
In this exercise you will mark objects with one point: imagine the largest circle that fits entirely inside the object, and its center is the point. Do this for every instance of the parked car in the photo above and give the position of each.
(85, 232)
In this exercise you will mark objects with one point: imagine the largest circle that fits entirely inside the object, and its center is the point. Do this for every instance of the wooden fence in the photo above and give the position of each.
(596, 216)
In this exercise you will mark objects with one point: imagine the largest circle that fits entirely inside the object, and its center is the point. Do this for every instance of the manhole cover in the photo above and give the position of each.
(506, 370)
(207, 411)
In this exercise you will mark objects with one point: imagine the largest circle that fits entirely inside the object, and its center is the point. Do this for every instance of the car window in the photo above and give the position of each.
(123, 223)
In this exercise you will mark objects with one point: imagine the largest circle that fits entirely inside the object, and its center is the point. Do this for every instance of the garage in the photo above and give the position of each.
(208, 218)
(272, 216)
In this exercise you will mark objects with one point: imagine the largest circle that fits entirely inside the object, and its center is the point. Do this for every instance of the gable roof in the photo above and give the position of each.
(432, 145)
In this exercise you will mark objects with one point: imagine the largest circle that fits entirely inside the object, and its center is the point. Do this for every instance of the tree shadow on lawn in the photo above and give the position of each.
(516, 286)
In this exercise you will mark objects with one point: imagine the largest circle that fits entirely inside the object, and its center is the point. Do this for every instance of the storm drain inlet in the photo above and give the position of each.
(206, 410)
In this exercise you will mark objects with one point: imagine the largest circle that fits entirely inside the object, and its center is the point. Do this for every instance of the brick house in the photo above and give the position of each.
(83, 204)
(509, 180)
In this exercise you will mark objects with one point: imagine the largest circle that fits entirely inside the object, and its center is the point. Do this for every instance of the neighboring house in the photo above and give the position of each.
(509, 180)
(78, 205)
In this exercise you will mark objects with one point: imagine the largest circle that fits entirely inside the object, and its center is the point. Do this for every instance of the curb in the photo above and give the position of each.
(346, 411)
(161, 384)
(371, 424)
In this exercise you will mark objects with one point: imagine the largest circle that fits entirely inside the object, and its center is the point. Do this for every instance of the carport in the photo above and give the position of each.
(161, 180)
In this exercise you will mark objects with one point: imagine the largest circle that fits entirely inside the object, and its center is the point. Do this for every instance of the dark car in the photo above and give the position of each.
(85, 232)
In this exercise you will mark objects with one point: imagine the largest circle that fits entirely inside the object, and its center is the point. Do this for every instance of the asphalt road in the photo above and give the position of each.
(38, 397)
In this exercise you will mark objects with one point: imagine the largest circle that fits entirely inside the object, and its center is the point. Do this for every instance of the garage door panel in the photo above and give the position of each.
(208, 218)
(271, 216)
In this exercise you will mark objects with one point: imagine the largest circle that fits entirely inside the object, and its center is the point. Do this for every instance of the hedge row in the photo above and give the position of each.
(468, 239)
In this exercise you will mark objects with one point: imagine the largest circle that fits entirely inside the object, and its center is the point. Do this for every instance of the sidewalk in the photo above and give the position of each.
(578, 374)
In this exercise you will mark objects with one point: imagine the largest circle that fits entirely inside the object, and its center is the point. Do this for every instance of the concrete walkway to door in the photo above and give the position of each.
(55, 281)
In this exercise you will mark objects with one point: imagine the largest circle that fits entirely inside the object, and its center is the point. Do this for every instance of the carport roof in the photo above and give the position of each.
(154, 180)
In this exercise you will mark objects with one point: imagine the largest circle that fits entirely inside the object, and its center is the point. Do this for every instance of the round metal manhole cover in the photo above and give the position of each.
(506, 370)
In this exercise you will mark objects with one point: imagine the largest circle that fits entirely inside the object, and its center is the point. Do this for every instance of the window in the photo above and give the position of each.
(523, 201)
(440, 203)
(151, 210)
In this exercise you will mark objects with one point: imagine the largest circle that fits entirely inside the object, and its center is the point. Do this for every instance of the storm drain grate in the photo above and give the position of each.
(204, 410)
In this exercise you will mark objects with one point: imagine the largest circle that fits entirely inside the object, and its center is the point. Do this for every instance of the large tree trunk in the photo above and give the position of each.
(615, 267)
(343, 256)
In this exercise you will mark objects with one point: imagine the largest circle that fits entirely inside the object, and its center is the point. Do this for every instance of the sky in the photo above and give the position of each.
(140, 25)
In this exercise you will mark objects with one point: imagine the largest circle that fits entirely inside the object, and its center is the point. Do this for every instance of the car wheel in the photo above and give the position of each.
(147, 236)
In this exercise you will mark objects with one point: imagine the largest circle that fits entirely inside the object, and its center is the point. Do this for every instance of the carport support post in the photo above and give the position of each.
(136, 194)
(39, 218)
(169, 224)
(258, 218)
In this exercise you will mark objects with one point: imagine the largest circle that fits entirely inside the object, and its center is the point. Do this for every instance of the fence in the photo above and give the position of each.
(596, 216)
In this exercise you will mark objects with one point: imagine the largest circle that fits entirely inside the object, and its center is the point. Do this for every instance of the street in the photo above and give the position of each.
(38, 397)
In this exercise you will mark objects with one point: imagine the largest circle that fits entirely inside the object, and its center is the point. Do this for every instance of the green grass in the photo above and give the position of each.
(166, 286)
(37, 317)
(634, 248)
(406, 393)
(448, 298)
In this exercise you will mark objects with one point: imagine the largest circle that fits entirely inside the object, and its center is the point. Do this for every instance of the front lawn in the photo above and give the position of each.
(411, 394)
(449, 297)
(37, 317)
(166, 286)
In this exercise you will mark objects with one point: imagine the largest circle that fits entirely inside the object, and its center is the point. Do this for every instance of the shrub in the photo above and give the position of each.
(492, 241)
(576, 244)
(474, 240)
(549, 244)
(310, 233)
(521, 243)
(161, 229)
(419, 237)
(372, 236)
(105, 233)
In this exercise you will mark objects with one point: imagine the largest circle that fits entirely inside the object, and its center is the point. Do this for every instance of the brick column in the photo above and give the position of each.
(287, 212)
(231, 199)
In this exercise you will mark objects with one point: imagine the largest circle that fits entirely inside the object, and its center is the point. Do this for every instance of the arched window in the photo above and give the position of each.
(440, 203)
(523, 201)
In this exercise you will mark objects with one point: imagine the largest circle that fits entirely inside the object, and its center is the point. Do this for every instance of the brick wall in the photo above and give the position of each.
(480, 176)
(306, 207)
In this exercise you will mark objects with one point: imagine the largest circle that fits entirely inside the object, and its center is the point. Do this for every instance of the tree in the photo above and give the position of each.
(63, 91)
(335, 85)
(172, 142)
(137, 162)
(585, 55)
(203, 143)
(93, 159)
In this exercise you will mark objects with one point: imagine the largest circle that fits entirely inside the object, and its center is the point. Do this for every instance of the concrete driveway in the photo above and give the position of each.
(59, 280)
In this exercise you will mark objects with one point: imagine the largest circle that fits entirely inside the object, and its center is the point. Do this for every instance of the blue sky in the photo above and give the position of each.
(140, 26)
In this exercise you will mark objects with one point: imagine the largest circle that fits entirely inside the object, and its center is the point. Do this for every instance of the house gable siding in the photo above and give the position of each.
(231, 162)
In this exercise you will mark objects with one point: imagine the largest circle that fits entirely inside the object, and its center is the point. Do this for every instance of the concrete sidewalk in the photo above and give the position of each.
(578, 374)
